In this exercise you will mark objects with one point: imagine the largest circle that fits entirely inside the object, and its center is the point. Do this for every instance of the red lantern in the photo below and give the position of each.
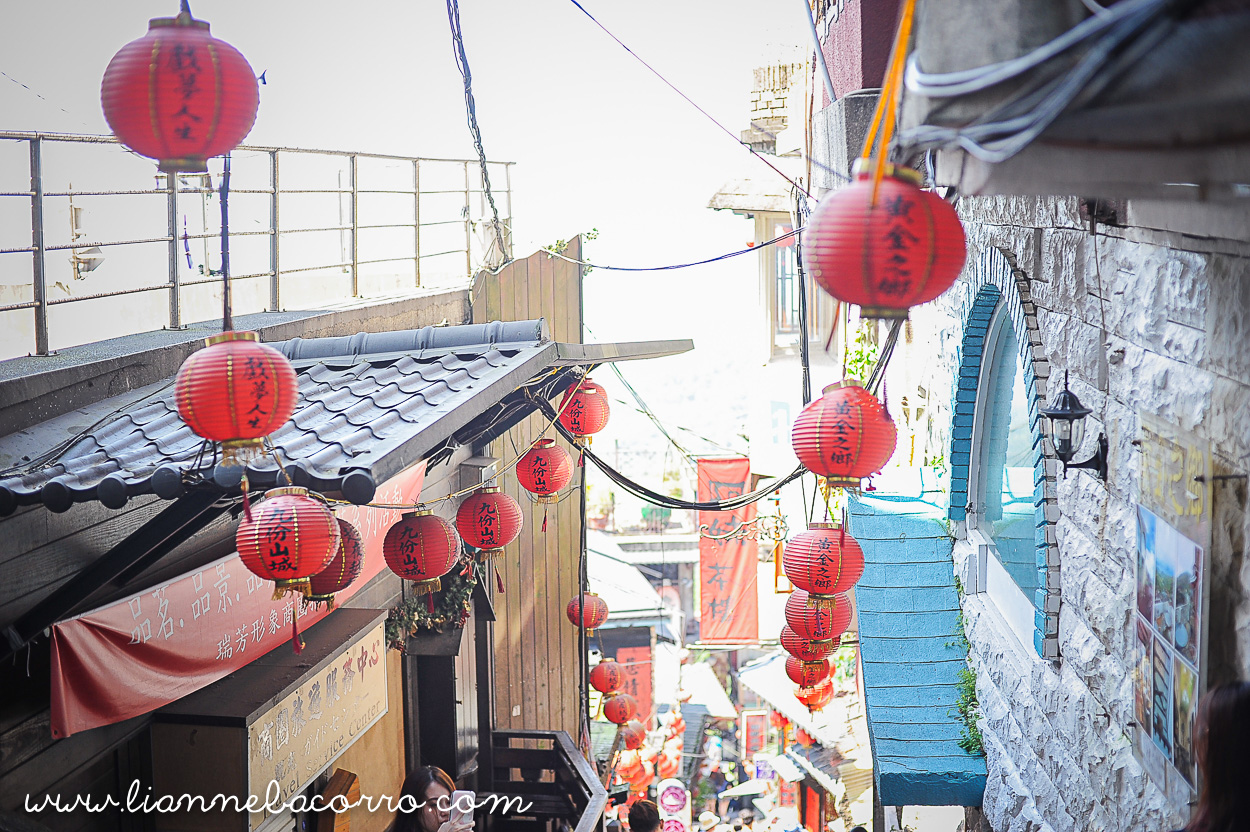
(544, 470)
(819, 625)
(633, 734)
(620, 708)
(489, 520)
(806, 674)
(815, 698)
(802, 649)
(236, 391)
(421, 547)
(584, 409)
(587, 609)
(290, 537)
(824, 562)
(607, 676)
(668, 767)
(904, 249)
(343, 569)
(179, 95)
(844, 435)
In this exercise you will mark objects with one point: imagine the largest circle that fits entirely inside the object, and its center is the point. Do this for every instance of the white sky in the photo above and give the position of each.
(598, 141)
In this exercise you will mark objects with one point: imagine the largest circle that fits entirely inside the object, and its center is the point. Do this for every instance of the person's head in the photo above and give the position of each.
(644, 816)
(708, 821)
(1223, 736)
(858, 829)
(425, 786)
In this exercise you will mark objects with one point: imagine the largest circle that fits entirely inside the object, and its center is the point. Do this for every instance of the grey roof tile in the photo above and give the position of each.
(353, 405)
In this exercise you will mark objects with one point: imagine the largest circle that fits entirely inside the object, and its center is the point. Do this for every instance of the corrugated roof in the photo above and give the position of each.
(908, 620)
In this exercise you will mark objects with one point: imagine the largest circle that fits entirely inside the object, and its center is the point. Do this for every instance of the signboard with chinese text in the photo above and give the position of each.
(1173, 520)
(636, 673)
(296, 739)
(159, 645)
(729, 604)
(754, 732)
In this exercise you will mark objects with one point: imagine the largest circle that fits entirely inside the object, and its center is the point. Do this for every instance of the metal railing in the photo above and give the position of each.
(457, 211)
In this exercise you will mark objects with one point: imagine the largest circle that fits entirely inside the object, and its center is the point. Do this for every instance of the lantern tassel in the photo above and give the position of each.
(544, 520)
(247, 500)
(429, 603)
(296, 641)
(468, 567)
(498, 580)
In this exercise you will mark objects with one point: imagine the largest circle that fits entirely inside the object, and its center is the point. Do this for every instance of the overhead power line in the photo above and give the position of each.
(689, 100)
(462, 63)
(748, 250)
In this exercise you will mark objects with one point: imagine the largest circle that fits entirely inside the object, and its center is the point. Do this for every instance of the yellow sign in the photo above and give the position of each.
(301, 735)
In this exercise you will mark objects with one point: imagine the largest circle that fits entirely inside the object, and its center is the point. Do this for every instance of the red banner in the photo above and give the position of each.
(159, 645)
(728, 568)
(636, 671)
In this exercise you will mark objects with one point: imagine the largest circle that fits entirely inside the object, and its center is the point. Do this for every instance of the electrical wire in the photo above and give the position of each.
(462, 63)
(1128, 32)
(718, 258)
(688, 99)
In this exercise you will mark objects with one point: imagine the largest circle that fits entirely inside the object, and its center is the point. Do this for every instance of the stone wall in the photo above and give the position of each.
(1145, 322)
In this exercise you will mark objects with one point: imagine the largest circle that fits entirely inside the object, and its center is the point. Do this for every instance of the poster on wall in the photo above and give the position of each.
(1171, 585)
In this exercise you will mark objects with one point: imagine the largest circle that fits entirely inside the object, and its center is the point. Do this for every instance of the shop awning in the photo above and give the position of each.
(908, 620)
(767, 677)
(700, 682)
(747, 789)
(787, 769)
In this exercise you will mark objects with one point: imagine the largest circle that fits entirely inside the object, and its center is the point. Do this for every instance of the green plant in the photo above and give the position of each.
(862, 356)
(967, 706)
(450, 609)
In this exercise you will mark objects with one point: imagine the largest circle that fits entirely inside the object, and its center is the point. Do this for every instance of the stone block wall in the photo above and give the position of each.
(1145, 322)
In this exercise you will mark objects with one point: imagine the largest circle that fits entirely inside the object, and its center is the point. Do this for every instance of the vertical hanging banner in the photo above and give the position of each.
(729, 606)
(636, 673)
(157, 646)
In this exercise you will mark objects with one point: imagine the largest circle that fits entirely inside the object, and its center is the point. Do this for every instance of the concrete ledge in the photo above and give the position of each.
(37, 388)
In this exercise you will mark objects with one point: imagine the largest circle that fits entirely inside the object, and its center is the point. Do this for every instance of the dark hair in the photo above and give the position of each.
(415, 786)
(1223, 736)
(644, 816)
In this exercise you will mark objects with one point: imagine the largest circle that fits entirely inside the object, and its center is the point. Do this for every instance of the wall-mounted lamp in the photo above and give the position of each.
(1066, 426)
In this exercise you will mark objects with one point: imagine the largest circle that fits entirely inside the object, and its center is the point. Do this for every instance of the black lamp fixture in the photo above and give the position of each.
(1066, 426)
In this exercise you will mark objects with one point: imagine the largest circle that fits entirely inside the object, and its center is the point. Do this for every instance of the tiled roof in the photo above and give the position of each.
(369, 406)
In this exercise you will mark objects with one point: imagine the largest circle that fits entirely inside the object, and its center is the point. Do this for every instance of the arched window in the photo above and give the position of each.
(1002, 481)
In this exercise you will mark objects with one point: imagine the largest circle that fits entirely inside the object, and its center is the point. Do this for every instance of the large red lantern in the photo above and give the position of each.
(815, 698)
(290, 537)
(421, 547)
(489, 520)
(806, 674)
(236, 391)
(633, 735)
(587, 610)
(802, 649)
(344, 567)
(817, 624)
(844, 435)
(823, 561)
(607, 676)
(544, 470)
(904, 249)
(620, 708)
(179, 95)
(584, 409)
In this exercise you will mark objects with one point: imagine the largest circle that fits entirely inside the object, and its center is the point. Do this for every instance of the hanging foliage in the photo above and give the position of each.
(451, 610)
